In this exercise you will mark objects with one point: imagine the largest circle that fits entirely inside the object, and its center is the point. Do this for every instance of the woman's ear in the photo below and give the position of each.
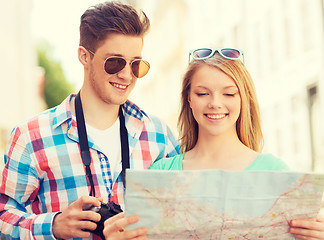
(189, 100)
(83, 55)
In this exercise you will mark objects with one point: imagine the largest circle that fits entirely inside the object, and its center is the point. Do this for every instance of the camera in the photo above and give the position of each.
(106, 210)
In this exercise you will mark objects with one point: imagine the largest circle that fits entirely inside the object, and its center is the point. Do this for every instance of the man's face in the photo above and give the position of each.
(114, 89)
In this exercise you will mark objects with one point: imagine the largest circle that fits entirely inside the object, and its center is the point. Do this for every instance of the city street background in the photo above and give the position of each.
(282, 41)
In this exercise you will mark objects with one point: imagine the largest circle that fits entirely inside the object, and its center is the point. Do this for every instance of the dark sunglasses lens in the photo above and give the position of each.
(231, 53)
(140, 68)
(114, 65)
(202, 53)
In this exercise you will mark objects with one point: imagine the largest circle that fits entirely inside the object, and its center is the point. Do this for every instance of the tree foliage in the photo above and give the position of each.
(56, 87)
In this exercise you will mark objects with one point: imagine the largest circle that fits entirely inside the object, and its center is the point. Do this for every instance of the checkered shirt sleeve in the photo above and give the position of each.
(44, 173)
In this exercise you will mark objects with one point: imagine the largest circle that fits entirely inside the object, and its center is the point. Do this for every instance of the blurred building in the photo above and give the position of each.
(21, 79)
(288, 71)
(283, 45)
(164, 47)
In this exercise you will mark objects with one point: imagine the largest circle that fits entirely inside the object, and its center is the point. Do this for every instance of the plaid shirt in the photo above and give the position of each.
(45, 172)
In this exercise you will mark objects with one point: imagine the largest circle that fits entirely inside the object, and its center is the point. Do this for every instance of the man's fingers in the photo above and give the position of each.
(87, 225)
(70, 222)
(78, 233)
(90, 215)
(86, 200)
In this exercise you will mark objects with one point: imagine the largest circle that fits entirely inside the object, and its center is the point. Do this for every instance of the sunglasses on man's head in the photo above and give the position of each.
(228, 53)
(115, 64)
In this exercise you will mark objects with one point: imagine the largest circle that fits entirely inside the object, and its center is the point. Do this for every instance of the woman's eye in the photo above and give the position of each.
(230, 94)
(202, 94)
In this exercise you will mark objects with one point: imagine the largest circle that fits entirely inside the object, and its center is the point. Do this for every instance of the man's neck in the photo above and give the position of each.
(97, 113)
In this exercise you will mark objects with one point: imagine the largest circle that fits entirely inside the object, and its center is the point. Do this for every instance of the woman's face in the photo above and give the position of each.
(215, 101)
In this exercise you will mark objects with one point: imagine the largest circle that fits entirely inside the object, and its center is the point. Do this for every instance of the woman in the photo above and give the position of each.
(219, 123)
(219, 118)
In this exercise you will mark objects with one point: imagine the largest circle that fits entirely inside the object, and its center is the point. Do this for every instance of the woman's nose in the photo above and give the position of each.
(215, 102)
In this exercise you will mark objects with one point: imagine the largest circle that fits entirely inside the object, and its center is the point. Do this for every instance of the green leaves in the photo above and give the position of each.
(56, 87)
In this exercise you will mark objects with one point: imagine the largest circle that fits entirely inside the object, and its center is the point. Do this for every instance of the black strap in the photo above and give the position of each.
(84, 146)
(124, 145)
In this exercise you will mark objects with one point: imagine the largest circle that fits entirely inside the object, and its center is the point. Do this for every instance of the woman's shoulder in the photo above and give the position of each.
(169, 163)
(268, 162)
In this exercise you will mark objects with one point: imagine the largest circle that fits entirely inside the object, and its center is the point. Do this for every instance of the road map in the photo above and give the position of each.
(217, 204)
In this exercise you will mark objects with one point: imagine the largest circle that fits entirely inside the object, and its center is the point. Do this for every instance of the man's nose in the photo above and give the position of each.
(126, 73)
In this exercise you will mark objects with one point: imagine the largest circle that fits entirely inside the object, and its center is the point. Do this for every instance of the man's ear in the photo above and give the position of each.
(83, 55)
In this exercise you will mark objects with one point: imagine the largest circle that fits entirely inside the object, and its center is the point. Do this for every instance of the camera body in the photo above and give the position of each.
(106, 210)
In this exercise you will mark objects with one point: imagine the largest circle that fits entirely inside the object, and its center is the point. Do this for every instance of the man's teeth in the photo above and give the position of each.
(119, 85)
(216, 116)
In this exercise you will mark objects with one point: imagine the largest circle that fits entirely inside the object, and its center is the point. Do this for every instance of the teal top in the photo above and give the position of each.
(262, 162)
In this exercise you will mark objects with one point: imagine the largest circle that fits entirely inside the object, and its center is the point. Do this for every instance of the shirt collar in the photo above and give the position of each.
(62, 113)
(133, 110)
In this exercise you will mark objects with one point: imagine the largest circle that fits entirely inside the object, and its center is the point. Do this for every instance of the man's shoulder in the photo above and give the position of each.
(148, 119)
(134, 111)
(45, 119)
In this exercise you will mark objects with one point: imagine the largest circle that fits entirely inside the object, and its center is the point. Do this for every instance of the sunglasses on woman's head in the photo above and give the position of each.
(115, 64)
(228, 53)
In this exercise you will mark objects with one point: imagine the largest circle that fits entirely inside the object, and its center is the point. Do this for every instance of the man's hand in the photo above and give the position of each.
(114, 228)
(71, 221)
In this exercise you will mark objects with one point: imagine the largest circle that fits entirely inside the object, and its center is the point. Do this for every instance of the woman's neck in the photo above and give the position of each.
(217, 147)
(225, 152)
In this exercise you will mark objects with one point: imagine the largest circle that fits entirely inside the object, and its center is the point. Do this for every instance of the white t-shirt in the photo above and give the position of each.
(108, 141)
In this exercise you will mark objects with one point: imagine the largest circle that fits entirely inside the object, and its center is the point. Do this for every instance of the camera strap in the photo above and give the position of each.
(84, 146)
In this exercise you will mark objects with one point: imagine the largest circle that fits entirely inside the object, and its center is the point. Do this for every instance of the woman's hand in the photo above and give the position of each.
(308, 229)
(114, 228)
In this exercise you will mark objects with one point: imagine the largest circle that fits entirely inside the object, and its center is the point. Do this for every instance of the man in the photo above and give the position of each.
(44, 168)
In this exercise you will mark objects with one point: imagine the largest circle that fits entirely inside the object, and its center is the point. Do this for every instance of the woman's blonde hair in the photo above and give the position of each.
(248, 125)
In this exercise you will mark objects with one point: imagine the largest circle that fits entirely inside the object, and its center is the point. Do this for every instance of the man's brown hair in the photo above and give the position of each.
(99, 21)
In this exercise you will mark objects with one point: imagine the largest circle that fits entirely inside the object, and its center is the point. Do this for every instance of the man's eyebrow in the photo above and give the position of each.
(120, 55)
